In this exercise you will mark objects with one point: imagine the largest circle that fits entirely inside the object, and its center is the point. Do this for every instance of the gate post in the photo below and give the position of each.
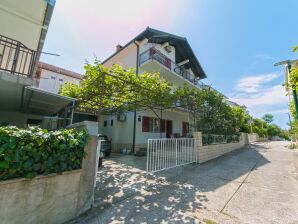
(198, 144)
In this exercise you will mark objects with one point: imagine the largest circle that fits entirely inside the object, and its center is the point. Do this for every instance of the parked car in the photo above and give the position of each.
(106, 146)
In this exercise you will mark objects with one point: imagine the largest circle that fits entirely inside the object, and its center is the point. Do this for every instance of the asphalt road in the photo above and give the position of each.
(253, 185)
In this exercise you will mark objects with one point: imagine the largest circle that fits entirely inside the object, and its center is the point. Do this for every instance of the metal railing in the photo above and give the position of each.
(210, 139)
(15, 57)
(168, 153)
(154, 54)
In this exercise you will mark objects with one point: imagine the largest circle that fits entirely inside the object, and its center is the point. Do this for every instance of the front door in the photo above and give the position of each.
(168, 128)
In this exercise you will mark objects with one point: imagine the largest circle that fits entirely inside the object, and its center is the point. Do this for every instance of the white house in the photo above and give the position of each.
(171, 56)
(51, 78)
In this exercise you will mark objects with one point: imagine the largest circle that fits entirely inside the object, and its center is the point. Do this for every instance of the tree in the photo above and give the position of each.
(112, 90)
(268, 118)
(242, 119)
(209, 112)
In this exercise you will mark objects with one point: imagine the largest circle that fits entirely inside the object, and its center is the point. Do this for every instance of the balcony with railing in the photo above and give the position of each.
(154, 54)
(15, 57)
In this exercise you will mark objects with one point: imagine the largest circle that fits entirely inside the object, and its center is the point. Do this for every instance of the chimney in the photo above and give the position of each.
(118, 47)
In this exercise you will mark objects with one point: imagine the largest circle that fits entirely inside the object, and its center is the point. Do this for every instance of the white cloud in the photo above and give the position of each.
(264, 56)
(252, 84)
(258, 97)
(261, 96)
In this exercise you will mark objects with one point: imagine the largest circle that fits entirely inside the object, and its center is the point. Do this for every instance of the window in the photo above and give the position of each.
(112, 122)
(105, 123)
(151, 124)
(61, 80)
(53, 77)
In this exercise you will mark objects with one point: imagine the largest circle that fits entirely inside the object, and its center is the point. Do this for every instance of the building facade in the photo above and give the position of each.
(22, 34)
(173, 58)
(51, 78)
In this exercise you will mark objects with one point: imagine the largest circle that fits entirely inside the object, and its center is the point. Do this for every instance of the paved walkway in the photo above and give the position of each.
(256, 185)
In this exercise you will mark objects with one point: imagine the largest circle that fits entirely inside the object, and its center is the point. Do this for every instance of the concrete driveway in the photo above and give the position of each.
(256, 185)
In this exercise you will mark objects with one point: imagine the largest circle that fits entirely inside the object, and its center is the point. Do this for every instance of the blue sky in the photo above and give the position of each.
(236, 42)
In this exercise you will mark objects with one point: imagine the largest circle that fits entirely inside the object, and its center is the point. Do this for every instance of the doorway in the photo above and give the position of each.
(168, 128)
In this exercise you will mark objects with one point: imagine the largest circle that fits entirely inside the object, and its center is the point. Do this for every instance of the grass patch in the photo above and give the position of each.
(208, 221)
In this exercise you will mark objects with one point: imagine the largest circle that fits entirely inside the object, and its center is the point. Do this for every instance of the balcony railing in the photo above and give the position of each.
(15, 57)
(154, 54)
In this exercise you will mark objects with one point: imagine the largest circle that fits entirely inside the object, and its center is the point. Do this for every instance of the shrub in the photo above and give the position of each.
(34, 151)
(293, 146)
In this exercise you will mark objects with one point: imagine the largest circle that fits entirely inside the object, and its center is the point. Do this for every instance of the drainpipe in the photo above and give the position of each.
(135, 111)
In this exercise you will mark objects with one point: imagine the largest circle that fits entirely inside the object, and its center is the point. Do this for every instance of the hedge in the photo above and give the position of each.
(34, 151)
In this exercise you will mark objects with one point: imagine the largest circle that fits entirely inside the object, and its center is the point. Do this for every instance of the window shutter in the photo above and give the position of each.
(185, 128)
(145, 124)
(168, 63)
(162, 125)
(152, 51)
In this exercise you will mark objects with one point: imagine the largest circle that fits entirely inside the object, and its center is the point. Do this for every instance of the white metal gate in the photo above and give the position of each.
(167, 153)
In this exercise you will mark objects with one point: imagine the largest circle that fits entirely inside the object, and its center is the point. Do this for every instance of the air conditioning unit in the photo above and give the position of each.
(168, 48)
(121, 117)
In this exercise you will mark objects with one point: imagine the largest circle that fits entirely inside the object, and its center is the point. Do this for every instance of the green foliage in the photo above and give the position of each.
(241, 119)
(210, 112)
(34, 151)
(268, 118)
(293, 146)
(295, 49)
(116, 89)
(260, 127)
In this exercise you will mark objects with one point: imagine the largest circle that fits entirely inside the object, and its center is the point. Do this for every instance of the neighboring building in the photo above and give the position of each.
(173, 58)
(22, 35)
(51, 78)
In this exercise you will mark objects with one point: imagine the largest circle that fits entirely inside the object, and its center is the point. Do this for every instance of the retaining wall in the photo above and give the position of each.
(208, 152)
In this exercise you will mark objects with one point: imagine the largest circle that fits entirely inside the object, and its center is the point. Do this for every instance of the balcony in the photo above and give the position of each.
(16, 58)
(156, 55)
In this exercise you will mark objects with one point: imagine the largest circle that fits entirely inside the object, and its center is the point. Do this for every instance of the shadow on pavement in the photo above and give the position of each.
(126, 193)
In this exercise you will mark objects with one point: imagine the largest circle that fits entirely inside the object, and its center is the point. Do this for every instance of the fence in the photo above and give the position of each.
(168, 153)
(16, 57)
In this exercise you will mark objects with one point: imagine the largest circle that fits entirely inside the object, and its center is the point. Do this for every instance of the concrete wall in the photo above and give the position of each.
(17, 118)
(45, 199)
(55, 198)
(208, 152)
(254, 137)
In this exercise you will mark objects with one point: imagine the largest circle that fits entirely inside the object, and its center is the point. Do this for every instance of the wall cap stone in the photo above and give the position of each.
(21, 179)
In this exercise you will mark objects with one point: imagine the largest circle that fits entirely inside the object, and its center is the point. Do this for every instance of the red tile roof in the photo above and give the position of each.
(59, 70)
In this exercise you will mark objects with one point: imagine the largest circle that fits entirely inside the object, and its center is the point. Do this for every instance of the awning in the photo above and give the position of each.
(41, 102)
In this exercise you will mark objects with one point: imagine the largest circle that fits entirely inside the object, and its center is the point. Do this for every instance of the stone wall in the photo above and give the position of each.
(44, 199)
(208, 152)
(51, 199)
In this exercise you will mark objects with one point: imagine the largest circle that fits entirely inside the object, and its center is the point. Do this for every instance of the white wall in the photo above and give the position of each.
(121, 132)
(144, 46)
(126, 57)
(22, 23)
(51, 81)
